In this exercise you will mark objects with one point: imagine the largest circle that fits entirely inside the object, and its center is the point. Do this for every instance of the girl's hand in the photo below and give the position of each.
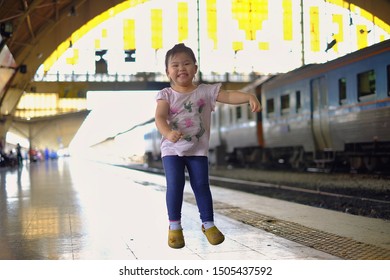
(254, 103)
(174, 136)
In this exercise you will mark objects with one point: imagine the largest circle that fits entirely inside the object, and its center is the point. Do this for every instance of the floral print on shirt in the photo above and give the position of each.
(188, 119)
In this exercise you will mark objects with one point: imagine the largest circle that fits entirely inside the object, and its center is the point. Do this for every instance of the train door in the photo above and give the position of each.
(319, 114)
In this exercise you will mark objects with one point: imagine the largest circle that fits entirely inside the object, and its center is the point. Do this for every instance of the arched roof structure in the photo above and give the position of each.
(40, 26)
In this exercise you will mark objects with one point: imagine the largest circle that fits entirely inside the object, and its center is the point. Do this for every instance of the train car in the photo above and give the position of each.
(332, 113)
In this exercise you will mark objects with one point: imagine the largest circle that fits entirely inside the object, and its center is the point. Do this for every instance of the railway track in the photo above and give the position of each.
(349, 203)
(327, 191)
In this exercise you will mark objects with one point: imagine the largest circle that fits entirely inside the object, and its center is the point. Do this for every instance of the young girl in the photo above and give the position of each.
(183, 116)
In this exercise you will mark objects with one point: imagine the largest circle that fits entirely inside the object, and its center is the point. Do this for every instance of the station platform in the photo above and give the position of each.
(71, 209)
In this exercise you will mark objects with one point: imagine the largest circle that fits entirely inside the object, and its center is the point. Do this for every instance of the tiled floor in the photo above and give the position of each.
(70, 209)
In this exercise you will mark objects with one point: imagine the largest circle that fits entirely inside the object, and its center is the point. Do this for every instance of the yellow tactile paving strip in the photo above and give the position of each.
(333, 244)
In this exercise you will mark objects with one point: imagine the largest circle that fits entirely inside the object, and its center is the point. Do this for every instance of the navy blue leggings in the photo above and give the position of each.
(197, 167)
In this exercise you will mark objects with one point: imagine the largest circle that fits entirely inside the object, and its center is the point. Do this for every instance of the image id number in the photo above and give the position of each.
(242, 270)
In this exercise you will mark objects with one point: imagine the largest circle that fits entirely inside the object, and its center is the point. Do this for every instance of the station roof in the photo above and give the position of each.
(30, 17)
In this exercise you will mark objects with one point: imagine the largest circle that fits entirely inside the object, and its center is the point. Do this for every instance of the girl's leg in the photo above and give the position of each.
(174, 172)
(198, 170)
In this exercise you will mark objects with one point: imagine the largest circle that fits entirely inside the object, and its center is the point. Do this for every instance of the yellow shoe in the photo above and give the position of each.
(176, 239)
(214, 236)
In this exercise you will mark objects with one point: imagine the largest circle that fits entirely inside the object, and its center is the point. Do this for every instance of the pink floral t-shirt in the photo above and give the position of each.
(190, 113)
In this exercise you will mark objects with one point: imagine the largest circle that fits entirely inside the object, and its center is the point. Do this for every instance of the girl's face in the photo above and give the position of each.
(181, 70)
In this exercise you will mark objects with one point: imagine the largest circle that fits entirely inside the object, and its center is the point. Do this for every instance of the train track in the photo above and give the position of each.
(364, 202)
(343, 202)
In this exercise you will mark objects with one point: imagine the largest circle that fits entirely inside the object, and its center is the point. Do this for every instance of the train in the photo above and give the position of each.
(328, 116)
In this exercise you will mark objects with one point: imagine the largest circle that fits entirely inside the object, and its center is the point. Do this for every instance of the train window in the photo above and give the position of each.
(238, 113)
(388, 80)
(366, 84)
(285, 104)
(342, 91)
(298, 102)
(270, 107)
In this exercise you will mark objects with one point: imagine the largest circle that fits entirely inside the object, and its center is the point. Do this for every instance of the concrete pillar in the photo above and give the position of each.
(5, 123)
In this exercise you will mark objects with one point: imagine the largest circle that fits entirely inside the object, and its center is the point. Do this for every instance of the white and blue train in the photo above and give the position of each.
(319, 115)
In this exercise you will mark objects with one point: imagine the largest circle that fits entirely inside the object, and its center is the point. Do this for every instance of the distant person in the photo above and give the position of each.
(19, 154)
(183, 116)
(47, 154)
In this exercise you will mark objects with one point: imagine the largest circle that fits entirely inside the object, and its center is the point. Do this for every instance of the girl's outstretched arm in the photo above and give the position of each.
(239, 97)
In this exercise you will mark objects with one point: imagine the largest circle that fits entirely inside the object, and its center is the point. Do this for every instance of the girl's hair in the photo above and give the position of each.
(179, 48)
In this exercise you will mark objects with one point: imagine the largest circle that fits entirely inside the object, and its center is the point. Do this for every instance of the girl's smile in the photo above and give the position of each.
(181, 70)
